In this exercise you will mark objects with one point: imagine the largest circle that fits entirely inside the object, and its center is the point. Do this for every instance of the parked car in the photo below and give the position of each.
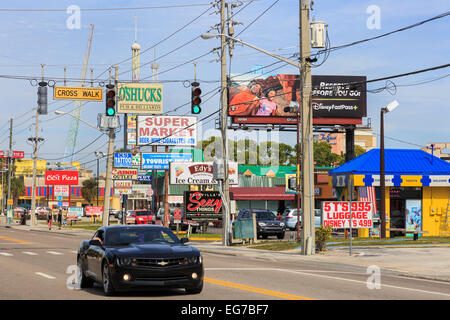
(290, 218)
(113, 212)
(124, 258)
(144, 216)
(266, 222)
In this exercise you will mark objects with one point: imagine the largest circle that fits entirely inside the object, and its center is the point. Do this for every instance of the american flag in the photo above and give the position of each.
(368, 194)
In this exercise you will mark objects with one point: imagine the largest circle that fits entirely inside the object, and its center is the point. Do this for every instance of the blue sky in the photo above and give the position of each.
(33, 38)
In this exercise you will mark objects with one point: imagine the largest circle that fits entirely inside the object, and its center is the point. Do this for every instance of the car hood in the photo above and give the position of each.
(269, 221)
(148, 250)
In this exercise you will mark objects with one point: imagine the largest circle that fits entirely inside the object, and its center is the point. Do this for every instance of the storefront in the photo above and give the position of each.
(417, 189)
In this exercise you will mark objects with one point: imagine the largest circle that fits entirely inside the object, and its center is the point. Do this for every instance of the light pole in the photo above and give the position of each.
(390, 107)
(98, 155)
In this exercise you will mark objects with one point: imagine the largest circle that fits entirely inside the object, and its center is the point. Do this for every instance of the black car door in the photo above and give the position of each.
(94, 257)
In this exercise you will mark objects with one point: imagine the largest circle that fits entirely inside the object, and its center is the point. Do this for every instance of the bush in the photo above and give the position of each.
(323, 234)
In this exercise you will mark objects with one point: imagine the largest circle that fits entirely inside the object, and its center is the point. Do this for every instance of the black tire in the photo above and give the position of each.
(108, 288)
(85, 282)
(195, 290)
(280, 235)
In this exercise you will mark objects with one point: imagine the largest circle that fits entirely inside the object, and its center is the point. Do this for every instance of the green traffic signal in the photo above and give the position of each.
(196, 109)
(110, 111)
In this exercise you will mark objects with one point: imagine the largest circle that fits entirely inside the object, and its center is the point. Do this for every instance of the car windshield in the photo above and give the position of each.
(264, 215)
(143, 213)
(126, 236)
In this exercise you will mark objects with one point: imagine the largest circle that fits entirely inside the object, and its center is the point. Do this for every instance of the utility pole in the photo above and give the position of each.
(109, 162)
(307, 163)
(226, 215)
(33, 188)
(9, 211)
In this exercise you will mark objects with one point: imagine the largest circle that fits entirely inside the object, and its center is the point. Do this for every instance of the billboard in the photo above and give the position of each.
(167, 130)
(61, 177)
(161, 161)
(25, 166)
(336, 214)
(94, 211)
(203, 205)
(335, 99)
(200, 173)
(124, 174)
(15, 154)
(140, 98)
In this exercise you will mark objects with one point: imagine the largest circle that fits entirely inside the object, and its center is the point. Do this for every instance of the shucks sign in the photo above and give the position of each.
(336, 214)
(63, 178)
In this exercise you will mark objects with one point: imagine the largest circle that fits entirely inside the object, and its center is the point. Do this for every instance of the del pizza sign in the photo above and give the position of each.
(61, 177)
(167, 130)
(336, 214)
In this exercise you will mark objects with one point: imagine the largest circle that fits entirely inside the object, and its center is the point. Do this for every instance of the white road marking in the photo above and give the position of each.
(74, 251)
(6, 254)
(54, 252)
(30, 253)
(44, 275)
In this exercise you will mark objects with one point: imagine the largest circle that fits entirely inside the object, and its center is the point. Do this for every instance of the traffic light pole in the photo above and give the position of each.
(9, 210)
(33, 188)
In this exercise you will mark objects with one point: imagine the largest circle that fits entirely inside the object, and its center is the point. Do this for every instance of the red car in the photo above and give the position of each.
(144, 216)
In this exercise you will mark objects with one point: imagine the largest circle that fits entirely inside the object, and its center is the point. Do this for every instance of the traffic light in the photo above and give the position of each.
(110, 100)
(195, 98)
(42, 97)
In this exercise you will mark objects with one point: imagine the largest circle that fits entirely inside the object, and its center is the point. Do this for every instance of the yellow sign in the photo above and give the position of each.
(140, 98)
(74, 93)
(10, 202)
(25, 167)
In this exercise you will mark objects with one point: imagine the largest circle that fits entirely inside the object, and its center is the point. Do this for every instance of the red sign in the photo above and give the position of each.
(16, 154)
(177, 216)
(94, 211)
(336, 214)
(62, 177)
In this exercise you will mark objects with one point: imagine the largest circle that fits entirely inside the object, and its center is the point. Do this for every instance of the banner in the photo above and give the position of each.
(202, 205)
(122, 186)
(74, 213)
(413, 216)
(197, 173)
(140, 98)
(336, 214)
(161, 161)
(335, 99)
(61, 177)
(167, 130)
(94, 211)
(61, 191)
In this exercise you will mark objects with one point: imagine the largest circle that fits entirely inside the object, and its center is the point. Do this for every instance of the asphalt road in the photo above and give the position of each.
(41, 265)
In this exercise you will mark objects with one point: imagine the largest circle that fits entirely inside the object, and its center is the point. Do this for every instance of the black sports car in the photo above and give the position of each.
(139, 257)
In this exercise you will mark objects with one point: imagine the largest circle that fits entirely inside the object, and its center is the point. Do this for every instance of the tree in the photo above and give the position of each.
(17, 188)
(323, 156)
(89, 189)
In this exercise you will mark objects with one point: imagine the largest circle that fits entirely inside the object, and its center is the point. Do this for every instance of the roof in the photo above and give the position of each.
(397, 162)
(260, 193)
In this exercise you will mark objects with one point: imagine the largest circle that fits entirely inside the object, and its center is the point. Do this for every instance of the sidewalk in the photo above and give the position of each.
(426, 262)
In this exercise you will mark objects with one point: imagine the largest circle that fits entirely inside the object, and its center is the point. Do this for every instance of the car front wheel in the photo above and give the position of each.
(280, 235)
(108, 288)
(84, 281)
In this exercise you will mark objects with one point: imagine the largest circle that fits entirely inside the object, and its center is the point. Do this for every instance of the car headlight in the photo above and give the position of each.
(192, 260)
(123, 262)
(261, 224)
(282, 224)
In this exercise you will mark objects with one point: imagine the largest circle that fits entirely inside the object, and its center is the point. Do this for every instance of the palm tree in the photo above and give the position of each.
(89, 190)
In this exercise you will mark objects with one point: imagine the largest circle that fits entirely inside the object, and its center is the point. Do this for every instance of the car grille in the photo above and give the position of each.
(177, 278)
(157, 262)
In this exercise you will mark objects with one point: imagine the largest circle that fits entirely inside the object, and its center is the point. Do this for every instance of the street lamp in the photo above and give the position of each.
(98, 155)
(390, 107)
(59, 112)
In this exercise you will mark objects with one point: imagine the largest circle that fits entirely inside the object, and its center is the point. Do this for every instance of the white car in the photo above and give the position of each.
(290, 218)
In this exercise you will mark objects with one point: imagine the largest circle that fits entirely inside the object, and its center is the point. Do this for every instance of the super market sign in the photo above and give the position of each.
(167, 130)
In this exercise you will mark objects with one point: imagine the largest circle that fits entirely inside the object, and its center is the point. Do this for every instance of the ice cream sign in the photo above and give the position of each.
(199, 173)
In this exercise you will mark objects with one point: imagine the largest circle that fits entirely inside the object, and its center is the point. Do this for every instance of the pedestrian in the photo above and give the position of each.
(49, 220)
(59, 219)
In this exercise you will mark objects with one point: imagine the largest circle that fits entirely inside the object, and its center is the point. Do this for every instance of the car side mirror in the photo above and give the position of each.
(95, 242)
(184, 240)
